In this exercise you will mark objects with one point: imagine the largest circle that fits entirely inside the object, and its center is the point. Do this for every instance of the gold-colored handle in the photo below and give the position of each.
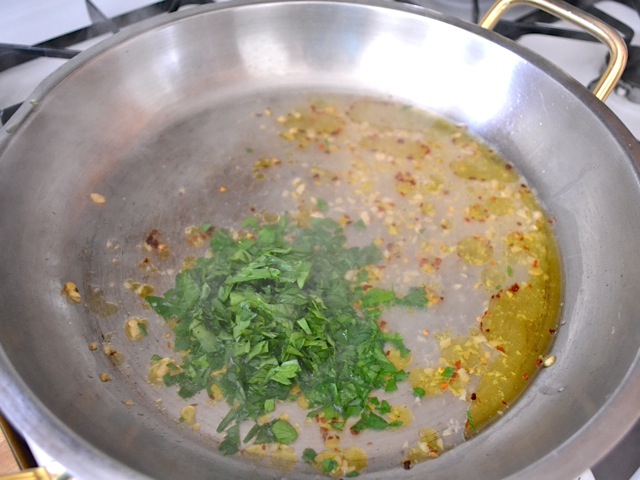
(31, 474)
(590, 24)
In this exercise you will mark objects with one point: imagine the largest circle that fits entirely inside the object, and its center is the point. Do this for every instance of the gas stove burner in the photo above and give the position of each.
(629, 84)
(539, 22)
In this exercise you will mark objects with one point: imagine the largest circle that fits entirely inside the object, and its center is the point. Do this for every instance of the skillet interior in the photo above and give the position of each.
(168, 106)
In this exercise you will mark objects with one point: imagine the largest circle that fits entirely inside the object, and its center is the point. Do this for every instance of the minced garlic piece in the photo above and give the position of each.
(303, 402)
(283, 457)
(400, 362)
(136, 328)
(71, 292)
(400, 413)
(352, 459)
(257, 451)
(188, 415)
(331, 441)
(98, 198)
(429, 446)
(162, 367)
(215, 393)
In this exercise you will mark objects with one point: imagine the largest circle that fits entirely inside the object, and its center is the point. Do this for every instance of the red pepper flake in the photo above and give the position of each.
(525, 376)
(552, 331)
(406, 177)
(153, 239)
(500, 348)
(354, 432)
(514, 288)
(539, 363)
(474, 396)
(407, 465)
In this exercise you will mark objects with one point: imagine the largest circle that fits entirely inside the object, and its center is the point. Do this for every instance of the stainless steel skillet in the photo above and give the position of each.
(139, 116)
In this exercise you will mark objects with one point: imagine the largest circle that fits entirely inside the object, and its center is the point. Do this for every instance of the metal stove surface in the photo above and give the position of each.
(32, 22)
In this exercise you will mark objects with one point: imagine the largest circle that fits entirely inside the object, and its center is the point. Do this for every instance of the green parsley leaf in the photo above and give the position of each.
(448, 372)
(322, 205)
(231, 443)
(309, 455)
(416, 298)
(269, 405)
(376, 297)
(370, 420)
(384, 407)
(419, 392)
(360, 225)
(284, 432)
(472, 423)
(285, 373)
(329, 465)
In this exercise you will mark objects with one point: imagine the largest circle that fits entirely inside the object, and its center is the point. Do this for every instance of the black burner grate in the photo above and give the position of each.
(542, 23)
(13, 55)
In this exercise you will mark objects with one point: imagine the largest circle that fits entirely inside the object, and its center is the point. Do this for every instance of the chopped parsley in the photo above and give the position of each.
(322, 205)
(448, 372)
(472, 423)
(329, 465)
(309, 455)
(272, 309)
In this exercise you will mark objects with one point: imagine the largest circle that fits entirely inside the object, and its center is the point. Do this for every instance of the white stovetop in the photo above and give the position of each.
(35, 21)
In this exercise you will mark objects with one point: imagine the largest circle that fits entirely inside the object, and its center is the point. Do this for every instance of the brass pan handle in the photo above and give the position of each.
(23, 457)
(31, 474)
(590, 24)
